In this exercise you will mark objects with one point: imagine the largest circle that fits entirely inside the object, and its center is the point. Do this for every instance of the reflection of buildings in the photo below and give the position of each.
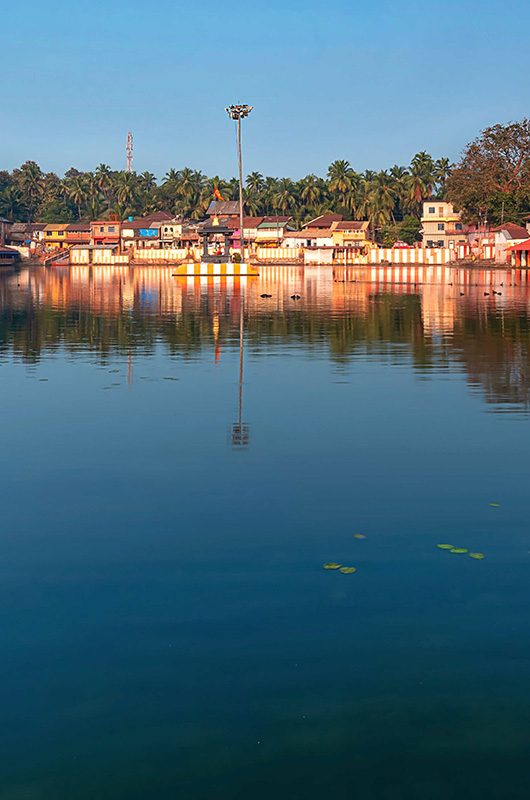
(437, 315)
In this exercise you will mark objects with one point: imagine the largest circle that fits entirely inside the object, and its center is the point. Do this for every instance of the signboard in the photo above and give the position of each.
(150, 232)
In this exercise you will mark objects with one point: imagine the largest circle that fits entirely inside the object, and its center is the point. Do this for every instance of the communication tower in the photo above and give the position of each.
(129, 152)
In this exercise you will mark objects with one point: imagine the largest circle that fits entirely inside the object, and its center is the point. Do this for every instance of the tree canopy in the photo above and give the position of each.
(491, 183)
(384, 198)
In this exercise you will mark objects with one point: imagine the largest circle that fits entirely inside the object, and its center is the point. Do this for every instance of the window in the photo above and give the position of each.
(432, 210)
(112, 228)
(440, 211)
(102, 229)
(458, 226)
(48, 233)
(441, 226)
(440, 243)
(60, 233)
(430, 244)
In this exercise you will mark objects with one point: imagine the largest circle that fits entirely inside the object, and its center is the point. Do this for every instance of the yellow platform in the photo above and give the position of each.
(210, 270)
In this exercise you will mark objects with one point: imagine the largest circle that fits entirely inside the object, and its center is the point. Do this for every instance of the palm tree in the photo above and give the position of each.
(340, 175)
(283, 198)
(76, 189)
(104, 179)
(12, 203)
(417, 190)
(380, 201)
(442, 170)
(310, 190)
(255, 182)
(30, 181)
(422, 166)
(126, 190)
(93, 195)
(147, 181)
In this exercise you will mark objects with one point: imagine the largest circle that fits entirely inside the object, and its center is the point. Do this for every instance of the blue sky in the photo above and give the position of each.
(369, 82)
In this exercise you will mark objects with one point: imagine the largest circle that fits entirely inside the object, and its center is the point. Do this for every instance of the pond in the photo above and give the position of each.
(181, 458)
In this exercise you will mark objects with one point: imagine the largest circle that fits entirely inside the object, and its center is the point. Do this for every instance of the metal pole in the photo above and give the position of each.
(240, 161)
(241, 341)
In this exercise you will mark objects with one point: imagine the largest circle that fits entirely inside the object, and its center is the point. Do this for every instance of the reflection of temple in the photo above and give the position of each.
(439, 314)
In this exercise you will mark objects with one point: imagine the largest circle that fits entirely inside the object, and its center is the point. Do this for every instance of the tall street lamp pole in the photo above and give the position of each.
(237, 113)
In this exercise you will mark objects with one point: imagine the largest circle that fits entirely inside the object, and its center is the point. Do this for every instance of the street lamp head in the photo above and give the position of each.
(238, 111)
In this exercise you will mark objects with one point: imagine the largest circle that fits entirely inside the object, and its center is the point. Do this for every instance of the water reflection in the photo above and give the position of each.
(475, 321)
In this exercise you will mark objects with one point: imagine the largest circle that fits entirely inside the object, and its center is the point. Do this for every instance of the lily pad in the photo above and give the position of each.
(359, 536)
(348, 570)
(477, 556)
(446, 546)
(331, 565)
(459, 550)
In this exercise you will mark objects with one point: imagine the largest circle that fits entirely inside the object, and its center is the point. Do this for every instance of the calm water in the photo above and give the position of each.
(167, 627)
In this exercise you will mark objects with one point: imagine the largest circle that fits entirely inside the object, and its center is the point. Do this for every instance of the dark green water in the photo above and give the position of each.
(167, 627)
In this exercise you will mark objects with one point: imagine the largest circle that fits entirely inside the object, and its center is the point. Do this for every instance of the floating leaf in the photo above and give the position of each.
(459, 550)
(446, 546)
(331, 565)
(477, 556)
(348, 570)
(359, 536)
(495, 505)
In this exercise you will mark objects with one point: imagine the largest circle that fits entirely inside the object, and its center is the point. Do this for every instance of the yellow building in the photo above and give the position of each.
(441, 225)
(54, 235)
(350, 233)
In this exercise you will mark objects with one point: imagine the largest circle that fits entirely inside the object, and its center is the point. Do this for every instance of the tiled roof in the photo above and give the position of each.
(514, 231)
(349, 225)
(324, 221)
(221, 207)
(78, 227)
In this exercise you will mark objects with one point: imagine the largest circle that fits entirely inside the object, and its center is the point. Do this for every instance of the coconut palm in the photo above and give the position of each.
(442, 170)
(30, 181)
(311, 190)
(77, 190)
(283, 198)
(422, 166)
(12, 203)
(255, 182)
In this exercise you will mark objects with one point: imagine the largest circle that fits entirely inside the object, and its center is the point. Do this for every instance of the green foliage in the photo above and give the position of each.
(492, 181)
(384, 198)
(408, 230)
(56, 211)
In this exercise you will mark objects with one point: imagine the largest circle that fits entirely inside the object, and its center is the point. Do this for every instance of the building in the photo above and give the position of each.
(519, 254)
(309, 238)
(25, 234)
(8, 256)
(78, 233)
(350, 233)
(272, 230)
(145, 232)
(441, 225)
(4, 224)
(506, 236)
(105, 232)
(170, 232)
(54, 235)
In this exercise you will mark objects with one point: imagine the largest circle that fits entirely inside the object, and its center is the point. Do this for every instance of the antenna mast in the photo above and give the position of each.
(129, 152)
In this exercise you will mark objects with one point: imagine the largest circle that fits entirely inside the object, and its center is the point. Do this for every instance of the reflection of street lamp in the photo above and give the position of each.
(240, 430)
(237, 113)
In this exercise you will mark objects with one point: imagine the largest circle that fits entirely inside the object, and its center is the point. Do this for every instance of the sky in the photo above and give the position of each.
(369, 82)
